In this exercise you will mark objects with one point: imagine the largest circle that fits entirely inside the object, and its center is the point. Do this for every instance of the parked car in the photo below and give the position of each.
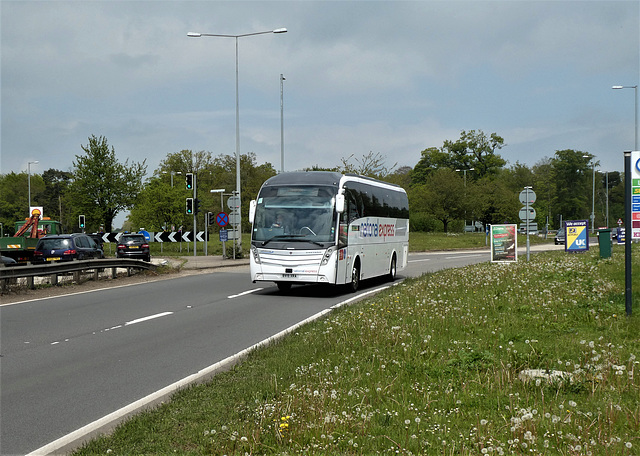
(133, 245)
(560, 236)
(66, 247)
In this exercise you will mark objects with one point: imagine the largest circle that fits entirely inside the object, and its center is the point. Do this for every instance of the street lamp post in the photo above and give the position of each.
(282, 79)
(464, 173)
(198, 35)
(173, 173)
(221, 191)
(593, 193)
(635, 87)
(29, 178)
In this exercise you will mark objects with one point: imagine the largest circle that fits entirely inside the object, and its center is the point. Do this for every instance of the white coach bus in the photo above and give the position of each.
(326, 227)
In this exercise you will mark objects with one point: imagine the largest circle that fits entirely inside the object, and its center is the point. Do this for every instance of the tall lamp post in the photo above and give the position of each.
(173, 173)
(198, 35)
(282, 79)
(593, 193)
(464, 173)
(29, 178)
(635, 87)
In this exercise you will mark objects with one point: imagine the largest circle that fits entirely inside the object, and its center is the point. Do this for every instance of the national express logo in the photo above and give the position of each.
(374, 229)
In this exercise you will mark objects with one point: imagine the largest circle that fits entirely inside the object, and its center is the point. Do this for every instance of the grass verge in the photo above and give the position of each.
(431, 366)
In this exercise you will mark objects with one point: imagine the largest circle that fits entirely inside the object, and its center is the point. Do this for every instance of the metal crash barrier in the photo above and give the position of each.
(77, 268)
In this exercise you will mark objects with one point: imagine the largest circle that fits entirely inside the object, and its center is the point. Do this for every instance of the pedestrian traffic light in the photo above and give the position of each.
(189, 181)
(189, 206)
(81, 221)
(197, 205)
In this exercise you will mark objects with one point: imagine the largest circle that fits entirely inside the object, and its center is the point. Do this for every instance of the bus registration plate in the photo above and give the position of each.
(289, 276)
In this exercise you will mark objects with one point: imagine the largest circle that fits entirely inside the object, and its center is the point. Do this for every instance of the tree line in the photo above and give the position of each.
(462, 181)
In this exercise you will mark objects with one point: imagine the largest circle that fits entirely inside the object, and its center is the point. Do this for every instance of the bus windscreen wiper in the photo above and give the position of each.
(291, 238)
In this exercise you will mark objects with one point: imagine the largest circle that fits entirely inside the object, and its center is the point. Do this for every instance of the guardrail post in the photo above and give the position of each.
(114, 273)
(54, 279)
(30, 283)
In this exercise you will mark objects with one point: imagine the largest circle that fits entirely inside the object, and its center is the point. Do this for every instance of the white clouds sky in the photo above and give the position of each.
(390, 77)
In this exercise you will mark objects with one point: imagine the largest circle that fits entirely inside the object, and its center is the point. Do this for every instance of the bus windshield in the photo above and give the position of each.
(295, 213)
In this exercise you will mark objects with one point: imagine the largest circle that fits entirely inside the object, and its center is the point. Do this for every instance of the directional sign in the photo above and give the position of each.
(523, 213)
(186, 236)
(635, 195)
(222, 219)
(233, 202)
(159, 237)
(234, 218)
(200, 236)
(527, 194)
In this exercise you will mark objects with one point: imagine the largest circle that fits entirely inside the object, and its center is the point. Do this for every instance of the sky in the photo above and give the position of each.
(391, 78)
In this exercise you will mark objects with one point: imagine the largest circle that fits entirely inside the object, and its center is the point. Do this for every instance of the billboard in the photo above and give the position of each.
(576, 236)
(504, 243)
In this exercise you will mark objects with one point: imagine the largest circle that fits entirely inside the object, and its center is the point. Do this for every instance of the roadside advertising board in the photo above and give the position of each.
(576, 236)
(504, 243)
(635, 195)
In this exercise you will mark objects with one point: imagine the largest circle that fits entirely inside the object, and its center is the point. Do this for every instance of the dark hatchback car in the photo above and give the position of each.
(133, 245)
(66, 247)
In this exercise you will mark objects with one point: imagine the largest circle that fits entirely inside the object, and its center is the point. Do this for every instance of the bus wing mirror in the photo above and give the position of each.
(340, 203)
(252, 211)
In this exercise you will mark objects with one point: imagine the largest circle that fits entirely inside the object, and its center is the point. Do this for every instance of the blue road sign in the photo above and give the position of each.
(222, 219)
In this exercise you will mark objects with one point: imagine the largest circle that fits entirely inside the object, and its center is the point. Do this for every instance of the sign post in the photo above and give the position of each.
(234, 217)
(527, 197)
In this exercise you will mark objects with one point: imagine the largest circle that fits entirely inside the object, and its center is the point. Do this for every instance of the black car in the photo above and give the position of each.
(66, 247)
(133, 245)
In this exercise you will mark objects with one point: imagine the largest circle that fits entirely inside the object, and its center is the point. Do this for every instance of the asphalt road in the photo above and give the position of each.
(71, 360)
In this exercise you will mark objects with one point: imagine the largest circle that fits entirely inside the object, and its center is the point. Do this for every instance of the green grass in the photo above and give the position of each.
(431, 366)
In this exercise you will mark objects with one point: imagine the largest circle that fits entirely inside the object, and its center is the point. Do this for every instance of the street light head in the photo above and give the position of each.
(194, 35)
(280, 30)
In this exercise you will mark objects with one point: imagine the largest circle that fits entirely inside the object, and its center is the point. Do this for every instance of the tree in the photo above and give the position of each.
(54, 204)
(572, 176)
(442, 196)
(371, 165)
(159, 206)
(472, 150)
(102, 185)
(493, 201)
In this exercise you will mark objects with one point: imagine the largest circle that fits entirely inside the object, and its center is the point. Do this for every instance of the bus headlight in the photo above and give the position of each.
(256, 256)
(327, 255)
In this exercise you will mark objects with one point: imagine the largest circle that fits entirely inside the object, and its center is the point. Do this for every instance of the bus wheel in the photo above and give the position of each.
(355, 277)
(393, 269)
(284, 286)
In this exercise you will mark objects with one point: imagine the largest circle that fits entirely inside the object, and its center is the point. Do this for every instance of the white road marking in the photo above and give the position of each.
(464, 256)
(150, 317)
(417, 261)
(244, 293)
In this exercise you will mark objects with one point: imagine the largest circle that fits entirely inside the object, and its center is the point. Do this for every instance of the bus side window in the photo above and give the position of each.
(352, 208)
(343, 230)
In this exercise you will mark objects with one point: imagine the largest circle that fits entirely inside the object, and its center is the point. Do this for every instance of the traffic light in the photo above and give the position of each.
(211, 218)
(197, 206)
(189, 181)
(81, 221)
(190, 206)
